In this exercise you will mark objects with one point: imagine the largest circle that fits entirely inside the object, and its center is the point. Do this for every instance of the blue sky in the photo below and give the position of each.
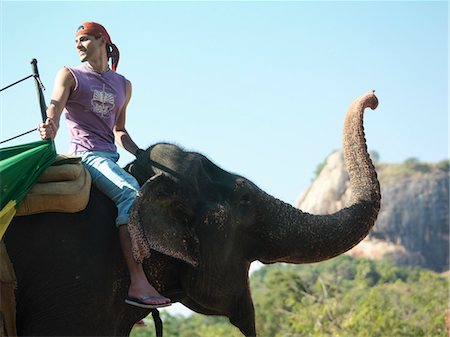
(261, 88)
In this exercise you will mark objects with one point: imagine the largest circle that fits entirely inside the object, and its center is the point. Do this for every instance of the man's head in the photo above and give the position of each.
(93, 29)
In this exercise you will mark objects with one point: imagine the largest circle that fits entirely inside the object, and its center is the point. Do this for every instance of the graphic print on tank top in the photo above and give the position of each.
(102, 102)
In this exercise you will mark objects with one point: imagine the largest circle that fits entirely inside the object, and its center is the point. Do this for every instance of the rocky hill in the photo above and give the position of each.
(413, 224)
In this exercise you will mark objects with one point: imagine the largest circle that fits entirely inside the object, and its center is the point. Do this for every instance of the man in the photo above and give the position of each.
(94, 99)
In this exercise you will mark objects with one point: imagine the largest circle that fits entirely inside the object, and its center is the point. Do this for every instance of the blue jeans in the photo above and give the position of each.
(120, 186)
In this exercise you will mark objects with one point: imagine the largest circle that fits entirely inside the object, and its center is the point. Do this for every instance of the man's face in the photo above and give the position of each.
(89, 47)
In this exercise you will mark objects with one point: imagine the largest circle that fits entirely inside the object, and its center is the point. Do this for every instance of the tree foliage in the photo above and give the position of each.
(343, 297)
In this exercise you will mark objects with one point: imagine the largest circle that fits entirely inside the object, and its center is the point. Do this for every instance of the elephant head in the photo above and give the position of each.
(219, 222)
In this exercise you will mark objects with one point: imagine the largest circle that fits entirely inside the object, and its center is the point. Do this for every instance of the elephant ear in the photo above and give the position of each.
(160, 220)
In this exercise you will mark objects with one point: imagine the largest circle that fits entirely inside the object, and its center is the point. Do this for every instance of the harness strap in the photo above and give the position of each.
(158, 323)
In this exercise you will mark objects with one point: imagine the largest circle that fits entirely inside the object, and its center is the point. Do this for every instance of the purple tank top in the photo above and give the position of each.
(93, 108)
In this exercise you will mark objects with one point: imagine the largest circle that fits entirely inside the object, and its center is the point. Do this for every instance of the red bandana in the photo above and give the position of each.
(97, 30)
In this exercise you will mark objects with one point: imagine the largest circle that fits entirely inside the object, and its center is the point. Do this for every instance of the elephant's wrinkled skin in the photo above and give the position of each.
(199, 226)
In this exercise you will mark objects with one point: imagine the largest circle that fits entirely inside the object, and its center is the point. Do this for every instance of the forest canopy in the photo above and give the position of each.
(343, 297)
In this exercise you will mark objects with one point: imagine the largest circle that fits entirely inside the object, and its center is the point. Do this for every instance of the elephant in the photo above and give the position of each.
(196, 228)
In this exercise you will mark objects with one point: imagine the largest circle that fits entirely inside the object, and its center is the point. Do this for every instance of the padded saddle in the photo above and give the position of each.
(63, 187)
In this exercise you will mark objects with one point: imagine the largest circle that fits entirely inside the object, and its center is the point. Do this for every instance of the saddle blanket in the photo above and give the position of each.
(63, 187)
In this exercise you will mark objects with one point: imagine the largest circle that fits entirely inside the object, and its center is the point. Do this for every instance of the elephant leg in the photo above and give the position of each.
(243, 315)
(245, 324)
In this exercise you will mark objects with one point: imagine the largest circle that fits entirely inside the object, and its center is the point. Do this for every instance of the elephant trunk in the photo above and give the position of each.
(303, 238)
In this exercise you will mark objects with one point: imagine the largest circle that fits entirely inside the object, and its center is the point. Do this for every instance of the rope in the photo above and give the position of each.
(40, 86)
(158, 323)
(9, 86)
(22, 134)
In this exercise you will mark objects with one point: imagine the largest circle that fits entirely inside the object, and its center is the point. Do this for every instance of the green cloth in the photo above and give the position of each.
(20, 166)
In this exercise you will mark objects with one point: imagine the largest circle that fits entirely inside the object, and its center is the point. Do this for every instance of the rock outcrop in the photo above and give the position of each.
(413, 225)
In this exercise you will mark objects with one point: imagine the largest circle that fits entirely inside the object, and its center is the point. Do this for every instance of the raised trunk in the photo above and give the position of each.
(296, 237)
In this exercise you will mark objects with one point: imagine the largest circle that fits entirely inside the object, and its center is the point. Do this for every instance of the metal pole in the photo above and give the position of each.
(39, 87)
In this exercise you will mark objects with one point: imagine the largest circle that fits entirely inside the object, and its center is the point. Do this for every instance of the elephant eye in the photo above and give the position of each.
(245, 200)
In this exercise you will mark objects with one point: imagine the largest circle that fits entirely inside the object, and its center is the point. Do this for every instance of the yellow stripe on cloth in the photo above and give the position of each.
(6, 215)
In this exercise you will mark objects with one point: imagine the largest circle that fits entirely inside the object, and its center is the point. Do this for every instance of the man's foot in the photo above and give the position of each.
(148, 302)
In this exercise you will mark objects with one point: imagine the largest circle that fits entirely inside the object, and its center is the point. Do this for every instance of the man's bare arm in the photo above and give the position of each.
(64, 84)
(121, 135)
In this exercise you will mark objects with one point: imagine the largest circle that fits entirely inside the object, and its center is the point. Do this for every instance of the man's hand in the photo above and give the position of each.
(48, 129)
(141, 154)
